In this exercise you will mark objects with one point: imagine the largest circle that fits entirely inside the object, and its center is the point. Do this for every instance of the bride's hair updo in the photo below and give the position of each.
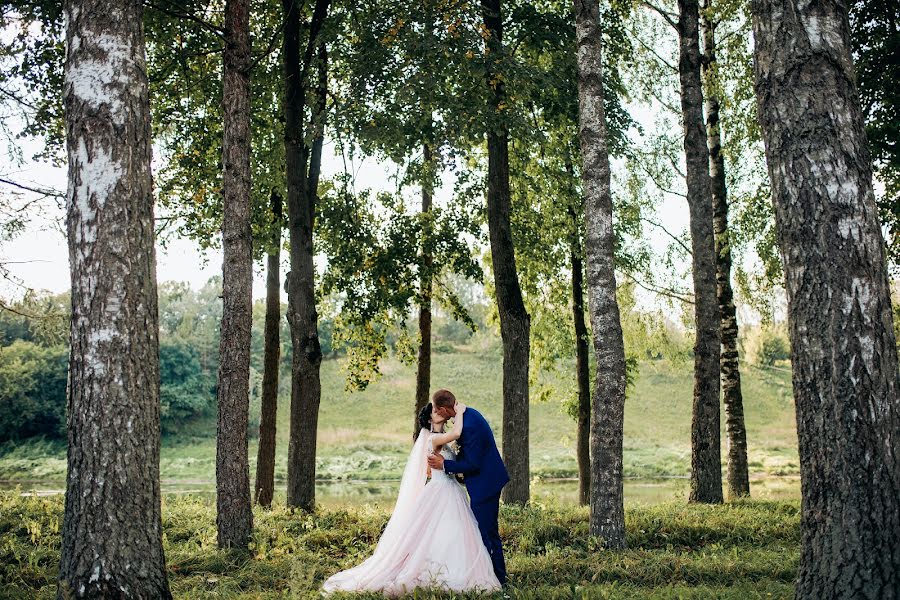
(425, 417)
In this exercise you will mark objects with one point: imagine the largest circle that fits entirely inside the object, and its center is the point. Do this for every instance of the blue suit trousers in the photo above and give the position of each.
(487, 512)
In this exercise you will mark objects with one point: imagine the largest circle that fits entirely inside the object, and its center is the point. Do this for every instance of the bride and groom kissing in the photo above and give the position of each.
(437, 538)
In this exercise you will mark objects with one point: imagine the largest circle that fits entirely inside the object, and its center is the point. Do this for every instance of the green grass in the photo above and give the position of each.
(365, 435)
(746, 549)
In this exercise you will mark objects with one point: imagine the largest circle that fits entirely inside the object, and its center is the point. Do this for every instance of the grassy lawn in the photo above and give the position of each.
(741, 550)
(365, 435)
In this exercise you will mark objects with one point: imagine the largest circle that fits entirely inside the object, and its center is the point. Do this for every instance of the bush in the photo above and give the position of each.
(773, 347)
(186, 390)
(32, 390)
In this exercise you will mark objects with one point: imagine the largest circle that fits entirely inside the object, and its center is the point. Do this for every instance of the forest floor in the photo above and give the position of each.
(740, 550)
(365, 435)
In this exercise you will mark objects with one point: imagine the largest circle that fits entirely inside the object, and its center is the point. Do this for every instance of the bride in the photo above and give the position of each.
(432, 539)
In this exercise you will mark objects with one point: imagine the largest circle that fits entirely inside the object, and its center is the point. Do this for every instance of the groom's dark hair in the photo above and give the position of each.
(443, 399)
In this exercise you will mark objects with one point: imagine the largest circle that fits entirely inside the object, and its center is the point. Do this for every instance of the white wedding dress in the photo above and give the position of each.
(431, 540)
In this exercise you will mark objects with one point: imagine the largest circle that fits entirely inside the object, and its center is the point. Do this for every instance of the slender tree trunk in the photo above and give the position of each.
(608, 415)
(515, 322)
(112, 530)
(582, 366)
(843, 350)
(306, 388)
(735, 432)
(706, 459)
(423, 367)
(582, 373)
(234, 517)
(265, 457)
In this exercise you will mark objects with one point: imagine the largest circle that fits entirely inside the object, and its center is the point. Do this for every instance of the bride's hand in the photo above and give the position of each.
(460, 408)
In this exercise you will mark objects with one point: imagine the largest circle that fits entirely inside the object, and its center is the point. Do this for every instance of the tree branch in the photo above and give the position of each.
(49, 192)
(674, 294)
(270, 47)
(4, 306)
(656, 183)
(315, 26)
(652, 51)
(667, 232)
(665, 104)
(663, 13)
(676, 168)
(177, 13)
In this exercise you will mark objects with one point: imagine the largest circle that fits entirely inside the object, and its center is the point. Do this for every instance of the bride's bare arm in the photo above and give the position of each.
(445, 438)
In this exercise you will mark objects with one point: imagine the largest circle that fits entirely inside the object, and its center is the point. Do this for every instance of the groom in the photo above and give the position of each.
(485, 474)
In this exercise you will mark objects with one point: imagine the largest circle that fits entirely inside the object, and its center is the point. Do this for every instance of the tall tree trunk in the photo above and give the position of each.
(608, 415)
(234, 517)
(423, 366)
(112, 531)
(515, 322)
(735, 432)
(582, 373)
(706, 459)
(306, 387)
(265, 457)
(582, 365)
(843, 350)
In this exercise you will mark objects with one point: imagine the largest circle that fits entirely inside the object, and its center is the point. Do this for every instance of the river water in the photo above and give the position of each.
(353, 493)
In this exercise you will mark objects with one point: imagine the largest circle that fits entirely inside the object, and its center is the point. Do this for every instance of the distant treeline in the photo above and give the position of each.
(34, 358)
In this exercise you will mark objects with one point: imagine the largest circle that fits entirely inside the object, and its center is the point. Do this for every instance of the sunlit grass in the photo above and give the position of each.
(747, 549)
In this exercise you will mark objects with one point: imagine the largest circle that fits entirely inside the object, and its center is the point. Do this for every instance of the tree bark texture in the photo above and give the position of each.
(706, 459)
(265, 457)
(423, 365)
(738, 477)
(112, 531)
(843, 350)
(607, 418)
(303, 164)
(234, 517)
(515, 322)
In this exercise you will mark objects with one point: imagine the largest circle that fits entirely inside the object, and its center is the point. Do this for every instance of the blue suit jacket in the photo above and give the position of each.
(479, 459)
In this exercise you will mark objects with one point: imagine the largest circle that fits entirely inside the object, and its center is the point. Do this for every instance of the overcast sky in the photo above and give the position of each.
(39, 257)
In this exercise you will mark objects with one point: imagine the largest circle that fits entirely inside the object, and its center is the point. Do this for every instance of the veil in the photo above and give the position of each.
(413, 482)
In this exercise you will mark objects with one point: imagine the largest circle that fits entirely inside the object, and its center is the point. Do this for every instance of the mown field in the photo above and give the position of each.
(365, 435)
(741, 550)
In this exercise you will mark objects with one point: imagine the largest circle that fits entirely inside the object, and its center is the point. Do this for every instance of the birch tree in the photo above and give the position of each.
(112, 530)
(608, 414)
(843, 350)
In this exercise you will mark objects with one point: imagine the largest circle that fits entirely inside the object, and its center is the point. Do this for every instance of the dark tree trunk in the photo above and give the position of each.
(306, 387)
(735, 432)
(843, 350)
(265, 457)
(608, 415)
(515, 322)
(112, 531)
(582, 373)
(582, 365)
(706, 459)
(423, 366)
(234, 517)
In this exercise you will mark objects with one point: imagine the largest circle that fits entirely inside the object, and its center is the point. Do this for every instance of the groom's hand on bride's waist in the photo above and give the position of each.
(436, 461)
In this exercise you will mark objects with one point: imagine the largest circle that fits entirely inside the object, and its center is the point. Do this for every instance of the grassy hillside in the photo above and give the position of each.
(365, 435)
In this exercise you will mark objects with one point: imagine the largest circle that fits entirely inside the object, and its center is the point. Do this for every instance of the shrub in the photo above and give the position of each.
(773, 347)
(32, 390)
(186, 390)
